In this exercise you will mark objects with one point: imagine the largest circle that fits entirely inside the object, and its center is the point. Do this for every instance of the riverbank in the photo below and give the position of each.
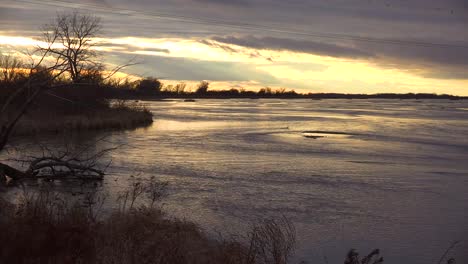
(223, 94)
(118, 117)
(45, 227)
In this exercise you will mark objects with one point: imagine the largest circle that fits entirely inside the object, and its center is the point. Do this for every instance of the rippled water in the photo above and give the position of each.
(361, 174)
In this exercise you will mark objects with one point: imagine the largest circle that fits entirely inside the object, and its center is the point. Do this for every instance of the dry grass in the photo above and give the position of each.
(373, 258)
(44, 228)
(121, 116)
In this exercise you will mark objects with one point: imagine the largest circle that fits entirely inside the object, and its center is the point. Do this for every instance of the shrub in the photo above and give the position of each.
(45, 228)
(149, 86)
(203, 87)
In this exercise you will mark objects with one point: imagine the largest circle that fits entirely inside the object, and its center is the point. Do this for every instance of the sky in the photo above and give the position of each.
(342, 46)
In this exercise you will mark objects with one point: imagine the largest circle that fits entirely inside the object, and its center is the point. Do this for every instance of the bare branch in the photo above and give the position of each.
(69, 162)
(452, 246)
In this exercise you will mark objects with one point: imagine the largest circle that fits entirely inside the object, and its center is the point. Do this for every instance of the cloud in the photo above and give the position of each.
(194, 69)
(429, 61)
(226, 2)
(246, 28)
(227, 48)
(306, 46)
(433, 61)
(126, 47)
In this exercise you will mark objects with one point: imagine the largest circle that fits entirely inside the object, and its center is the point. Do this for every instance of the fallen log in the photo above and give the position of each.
(15, 174)
(81, 162)
(53, 168)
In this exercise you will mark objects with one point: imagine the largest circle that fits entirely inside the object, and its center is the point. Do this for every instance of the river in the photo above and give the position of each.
(364, 174)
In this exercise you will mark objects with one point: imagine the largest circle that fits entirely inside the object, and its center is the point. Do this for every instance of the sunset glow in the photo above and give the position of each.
(304, 72)
(175, 50)
(234, 131)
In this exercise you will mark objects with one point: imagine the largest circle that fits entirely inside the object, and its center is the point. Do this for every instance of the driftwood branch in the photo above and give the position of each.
(82, 162)
(8, 171)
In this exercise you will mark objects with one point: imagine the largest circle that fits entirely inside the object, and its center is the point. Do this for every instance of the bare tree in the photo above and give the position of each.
(203, 87)
(39, 78)
(69, 41)
(74, 39)
(71, 163)
(73, 36)
(10, 68)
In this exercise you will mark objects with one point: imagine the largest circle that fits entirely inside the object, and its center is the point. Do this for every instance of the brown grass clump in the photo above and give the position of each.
(373, 258)
(119, 116)
(44, 228)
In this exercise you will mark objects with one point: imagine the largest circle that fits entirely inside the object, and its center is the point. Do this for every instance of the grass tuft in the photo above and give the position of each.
(44, 227)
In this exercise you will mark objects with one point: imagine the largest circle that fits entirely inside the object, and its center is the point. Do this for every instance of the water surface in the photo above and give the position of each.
(364, 174)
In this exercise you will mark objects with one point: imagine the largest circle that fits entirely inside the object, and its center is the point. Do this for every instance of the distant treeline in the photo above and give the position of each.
(94, 89)
(152, 88)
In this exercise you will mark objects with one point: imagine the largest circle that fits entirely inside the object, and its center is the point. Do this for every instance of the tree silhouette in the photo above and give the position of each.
(71, 41)
(203, 87)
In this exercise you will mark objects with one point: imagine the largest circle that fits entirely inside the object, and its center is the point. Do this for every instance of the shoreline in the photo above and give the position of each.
(153, 99)
(107, 119)
(304, 97)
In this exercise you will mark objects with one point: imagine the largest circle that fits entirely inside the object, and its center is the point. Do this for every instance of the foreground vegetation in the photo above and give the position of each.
(44, 227)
